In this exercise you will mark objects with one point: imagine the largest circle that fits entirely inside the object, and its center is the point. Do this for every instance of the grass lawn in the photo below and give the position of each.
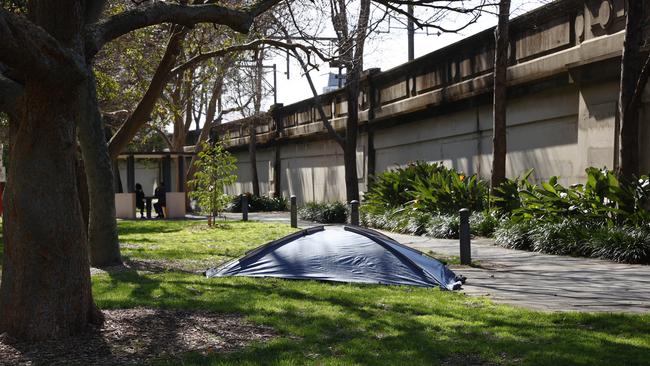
(343, 324)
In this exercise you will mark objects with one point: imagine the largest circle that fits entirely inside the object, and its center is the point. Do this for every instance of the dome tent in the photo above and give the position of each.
(348, 254)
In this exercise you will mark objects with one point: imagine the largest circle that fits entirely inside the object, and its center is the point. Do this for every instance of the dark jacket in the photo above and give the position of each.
(161, 195)
(139, 199)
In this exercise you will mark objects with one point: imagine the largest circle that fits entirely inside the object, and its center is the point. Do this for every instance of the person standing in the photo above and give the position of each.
(161, 196)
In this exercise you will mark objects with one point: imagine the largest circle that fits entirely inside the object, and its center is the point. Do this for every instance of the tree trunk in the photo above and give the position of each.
(211, 112)
(252, 154)
(102, 226)
(142, 112)
(352, 127)
(45, 291)
(258, 76)
(499, 143)
(630, 72)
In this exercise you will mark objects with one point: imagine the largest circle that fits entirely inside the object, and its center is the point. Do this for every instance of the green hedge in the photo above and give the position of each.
(259, 204)
(325, 213)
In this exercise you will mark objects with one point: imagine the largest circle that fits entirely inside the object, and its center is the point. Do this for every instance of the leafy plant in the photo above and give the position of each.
(602, 200)
(392, 187)
(430, 188)
(215, 167)
(483, 223)
(259, 203)
(326, 213)
(513, 235)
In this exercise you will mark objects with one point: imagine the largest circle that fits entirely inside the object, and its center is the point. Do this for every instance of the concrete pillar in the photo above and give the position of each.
(130, 174)
(181, 173)
(167, 172)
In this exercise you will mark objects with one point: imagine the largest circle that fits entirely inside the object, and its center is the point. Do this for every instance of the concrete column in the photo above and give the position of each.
(277, 171)
(130, 174)
(181, 173)
(167, 172)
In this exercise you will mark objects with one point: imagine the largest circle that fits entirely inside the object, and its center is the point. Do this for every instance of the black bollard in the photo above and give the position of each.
(464, 235)
(244, 207)
(294, 212)
(354, 213)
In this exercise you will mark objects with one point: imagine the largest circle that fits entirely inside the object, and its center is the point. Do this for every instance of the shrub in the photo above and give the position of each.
(577, 238)
(325, 213)
(513, 235)
(602, 200)
(259, 204)
(483, 223)
(215, 170)
(630, 245)
(567, 237)
(391, 188)
(443, 227)
(431, 188)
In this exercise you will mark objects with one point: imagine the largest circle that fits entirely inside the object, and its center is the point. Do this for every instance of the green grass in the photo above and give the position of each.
(344, 324)
(193, 240)
(341, 324)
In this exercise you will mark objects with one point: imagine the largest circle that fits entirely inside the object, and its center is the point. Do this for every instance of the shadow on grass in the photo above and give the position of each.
(382, 325)
(133, 227)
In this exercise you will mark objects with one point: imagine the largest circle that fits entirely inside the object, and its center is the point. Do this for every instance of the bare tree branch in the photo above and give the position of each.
(164, 136)
(317, 99)
(159, 12)
(247, 47)
(475, 11)
(29, 49)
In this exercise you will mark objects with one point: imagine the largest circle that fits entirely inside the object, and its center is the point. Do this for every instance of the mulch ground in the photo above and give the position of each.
(136, 336)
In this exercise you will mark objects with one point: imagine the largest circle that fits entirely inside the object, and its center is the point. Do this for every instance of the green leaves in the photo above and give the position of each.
(602, 200)
(427, 187)
(215, 167)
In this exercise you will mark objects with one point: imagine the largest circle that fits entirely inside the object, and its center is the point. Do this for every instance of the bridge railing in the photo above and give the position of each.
(549, 29)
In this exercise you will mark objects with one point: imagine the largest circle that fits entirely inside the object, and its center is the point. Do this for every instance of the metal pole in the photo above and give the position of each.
(465, 246)
(410, 29)
(244, 207)
(354, 213)
(294, 212)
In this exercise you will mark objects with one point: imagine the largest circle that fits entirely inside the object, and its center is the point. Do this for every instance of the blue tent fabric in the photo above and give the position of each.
(348, 254)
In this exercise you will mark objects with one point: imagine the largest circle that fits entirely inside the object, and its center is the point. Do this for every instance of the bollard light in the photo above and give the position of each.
(294, 212)
(464, 236)
(244, 207)
(354, 213)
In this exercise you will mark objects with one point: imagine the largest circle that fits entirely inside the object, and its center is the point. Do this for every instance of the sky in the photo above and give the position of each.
(387, 50)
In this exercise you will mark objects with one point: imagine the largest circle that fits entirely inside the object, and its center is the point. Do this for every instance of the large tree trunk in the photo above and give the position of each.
(630, 72)
(45, 291)
(102, 226)
(499, 143)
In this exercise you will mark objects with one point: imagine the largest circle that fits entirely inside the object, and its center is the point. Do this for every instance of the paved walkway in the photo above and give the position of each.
(534, 280)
